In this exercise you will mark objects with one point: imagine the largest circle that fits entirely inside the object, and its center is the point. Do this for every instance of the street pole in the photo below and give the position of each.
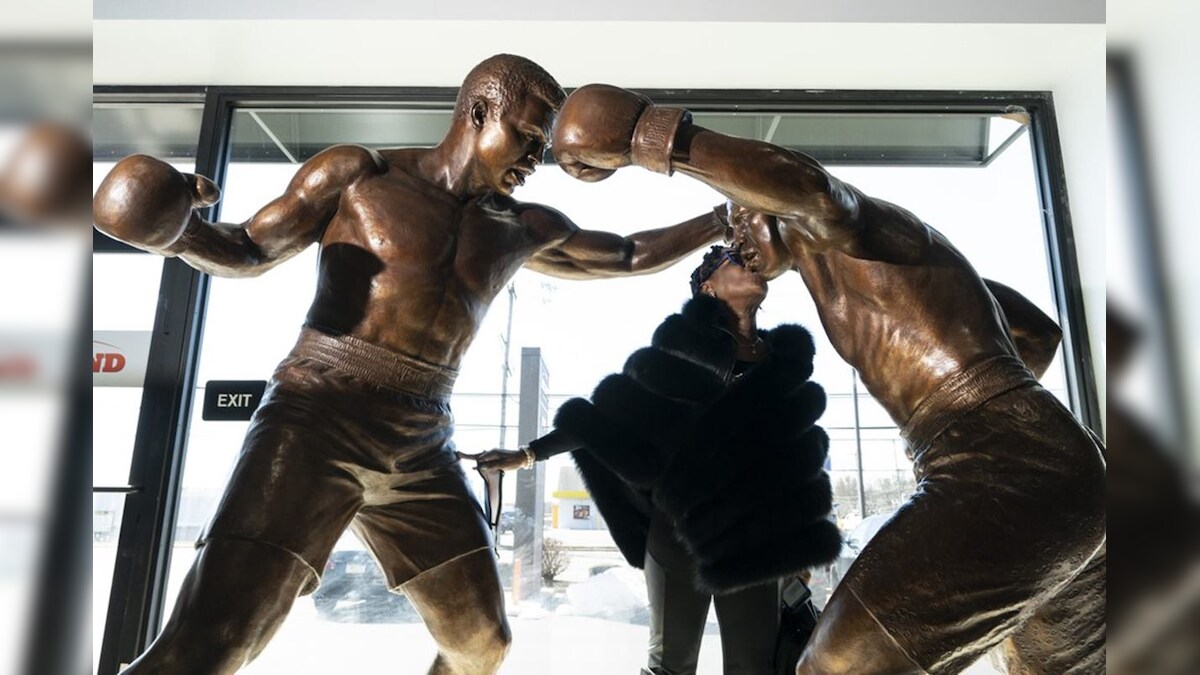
(507, 370)
(862, 490)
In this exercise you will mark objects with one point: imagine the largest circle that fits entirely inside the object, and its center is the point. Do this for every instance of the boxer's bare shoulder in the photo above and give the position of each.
(339, 165)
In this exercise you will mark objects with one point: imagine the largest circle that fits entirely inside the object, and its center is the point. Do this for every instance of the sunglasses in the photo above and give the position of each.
(493, 481)
(733, 257)
(728, 254)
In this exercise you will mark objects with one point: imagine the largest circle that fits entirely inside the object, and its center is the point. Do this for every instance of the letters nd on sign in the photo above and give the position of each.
(119, 357)
(232, 400)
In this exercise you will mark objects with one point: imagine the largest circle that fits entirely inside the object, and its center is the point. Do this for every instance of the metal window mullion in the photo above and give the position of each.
(144, 548)
(1063, 260)
(155, 455)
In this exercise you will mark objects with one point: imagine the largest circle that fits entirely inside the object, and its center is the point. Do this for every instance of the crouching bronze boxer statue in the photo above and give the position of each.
(355, 428)
(1004, 538)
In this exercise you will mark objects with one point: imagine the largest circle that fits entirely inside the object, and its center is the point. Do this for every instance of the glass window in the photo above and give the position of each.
(970, 176)
(124, 302)
(249, 327)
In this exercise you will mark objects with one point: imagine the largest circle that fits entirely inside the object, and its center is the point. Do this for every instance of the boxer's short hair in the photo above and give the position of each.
(504, 80)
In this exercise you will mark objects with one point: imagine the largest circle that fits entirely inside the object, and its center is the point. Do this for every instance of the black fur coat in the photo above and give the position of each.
(737, 464)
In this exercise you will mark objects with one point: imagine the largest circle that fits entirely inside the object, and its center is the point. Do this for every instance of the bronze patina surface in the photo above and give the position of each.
(1008, 521)
(414, 246)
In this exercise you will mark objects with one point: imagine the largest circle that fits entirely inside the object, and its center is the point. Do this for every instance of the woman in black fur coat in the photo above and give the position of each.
(704, 458)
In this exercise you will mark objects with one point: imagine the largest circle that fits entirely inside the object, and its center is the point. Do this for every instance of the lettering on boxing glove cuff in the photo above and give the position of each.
(654, 137)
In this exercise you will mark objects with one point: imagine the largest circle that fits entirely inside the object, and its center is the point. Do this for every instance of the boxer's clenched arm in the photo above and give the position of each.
(771, 179)
(574, 253)
(150, 205)
(602, 128)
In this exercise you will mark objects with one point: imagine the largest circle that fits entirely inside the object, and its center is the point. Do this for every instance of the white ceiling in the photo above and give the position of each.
(651, 54)
(925, 11)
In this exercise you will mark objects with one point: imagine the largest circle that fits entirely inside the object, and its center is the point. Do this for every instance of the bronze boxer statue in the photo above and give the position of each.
(1004, 537)
(355, 427)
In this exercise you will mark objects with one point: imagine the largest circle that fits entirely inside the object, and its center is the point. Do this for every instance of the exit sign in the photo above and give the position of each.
(232, 400)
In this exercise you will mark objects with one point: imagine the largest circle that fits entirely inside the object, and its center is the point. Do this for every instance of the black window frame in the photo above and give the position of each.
(137, 601)
(137, 598)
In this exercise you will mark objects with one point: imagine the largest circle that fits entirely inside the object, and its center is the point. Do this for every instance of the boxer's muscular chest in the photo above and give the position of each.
(428, 241)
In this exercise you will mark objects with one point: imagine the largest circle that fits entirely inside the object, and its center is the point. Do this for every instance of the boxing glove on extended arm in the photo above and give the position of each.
(147, 203)
(602, 128)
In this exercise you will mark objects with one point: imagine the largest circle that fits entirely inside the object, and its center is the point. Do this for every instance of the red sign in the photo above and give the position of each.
(111, 361)
(119, 358)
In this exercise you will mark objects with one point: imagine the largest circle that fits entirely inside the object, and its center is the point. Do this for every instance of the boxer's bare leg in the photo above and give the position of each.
(462, 604)
(1067, 634)
(849, 640)
(232, 601)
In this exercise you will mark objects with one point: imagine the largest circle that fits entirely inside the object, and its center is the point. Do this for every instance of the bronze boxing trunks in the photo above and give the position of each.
(1008, 518)
(351, 434)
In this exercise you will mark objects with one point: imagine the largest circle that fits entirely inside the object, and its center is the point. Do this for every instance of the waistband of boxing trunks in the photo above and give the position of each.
(961, 393)
(375, 365)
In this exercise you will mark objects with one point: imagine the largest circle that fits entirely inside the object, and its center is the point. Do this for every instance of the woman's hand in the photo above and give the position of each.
(497, 459)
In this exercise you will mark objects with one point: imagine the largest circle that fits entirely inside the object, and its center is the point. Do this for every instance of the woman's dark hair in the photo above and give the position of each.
(712, 260)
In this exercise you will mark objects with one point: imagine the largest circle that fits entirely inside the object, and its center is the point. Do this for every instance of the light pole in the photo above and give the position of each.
(506, 339)
(862, 490)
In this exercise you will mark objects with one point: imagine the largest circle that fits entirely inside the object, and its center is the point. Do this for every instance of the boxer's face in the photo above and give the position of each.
(756, 236)
(509, 147)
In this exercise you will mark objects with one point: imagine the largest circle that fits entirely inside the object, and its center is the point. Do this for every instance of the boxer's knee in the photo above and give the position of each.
(480, 648)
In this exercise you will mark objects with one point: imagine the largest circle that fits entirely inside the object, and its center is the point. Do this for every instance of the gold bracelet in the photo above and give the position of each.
(530, 458)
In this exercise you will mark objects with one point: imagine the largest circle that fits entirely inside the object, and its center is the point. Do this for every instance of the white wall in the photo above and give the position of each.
(1064, 59)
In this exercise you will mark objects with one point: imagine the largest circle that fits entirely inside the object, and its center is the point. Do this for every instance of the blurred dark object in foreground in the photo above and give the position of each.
(1154, 524)
(45, 411)
(46, 179)
(1153, 329)
(45, 145)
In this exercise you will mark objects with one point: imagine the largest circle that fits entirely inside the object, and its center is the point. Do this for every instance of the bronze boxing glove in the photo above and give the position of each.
(602, 128)
(146, 203)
